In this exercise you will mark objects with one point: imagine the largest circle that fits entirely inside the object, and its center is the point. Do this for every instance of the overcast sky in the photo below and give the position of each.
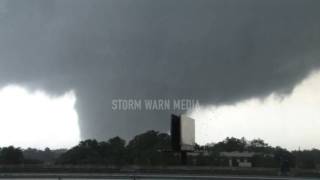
(228, 54)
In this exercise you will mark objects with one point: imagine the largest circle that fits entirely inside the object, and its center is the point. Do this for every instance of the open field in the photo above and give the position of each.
(137, 172)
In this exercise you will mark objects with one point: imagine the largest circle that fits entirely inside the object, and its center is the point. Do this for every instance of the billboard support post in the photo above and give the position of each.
(184, 158)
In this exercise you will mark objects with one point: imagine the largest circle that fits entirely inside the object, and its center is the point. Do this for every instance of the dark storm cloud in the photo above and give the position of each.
(214, 51)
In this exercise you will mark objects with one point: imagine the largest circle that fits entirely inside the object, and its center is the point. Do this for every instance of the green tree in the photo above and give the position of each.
(281, 154)
(146, 148)
(258, 145)
(113, 151)
(94, 152)
(11, 155)
(87, 152)
(307, 159)
(231, 144)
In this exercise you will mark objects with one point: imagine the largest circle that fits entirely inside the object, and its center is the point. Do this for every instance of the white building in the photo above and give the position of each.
(238, 159)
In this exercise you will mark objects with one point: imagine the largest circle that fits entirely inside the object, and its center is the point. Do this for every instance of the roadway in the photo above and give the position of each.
(87, 176)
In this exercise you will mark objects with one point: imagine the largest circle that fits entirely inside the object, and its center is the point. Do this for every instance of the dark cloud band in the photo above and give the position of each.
(215, 51)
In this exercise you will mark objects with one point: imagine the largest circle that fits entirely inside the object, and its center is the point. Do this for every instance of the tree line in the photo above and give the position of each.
(152, 148)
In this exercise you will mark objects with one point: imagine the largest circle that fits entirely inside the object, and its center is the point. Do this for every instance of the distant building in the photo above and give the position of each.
(238, 159)
(198, 153)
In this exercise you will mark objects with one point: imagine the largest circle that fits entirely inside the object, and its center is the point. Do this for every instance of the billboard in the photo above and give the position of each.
(187, 133)
(182, 133)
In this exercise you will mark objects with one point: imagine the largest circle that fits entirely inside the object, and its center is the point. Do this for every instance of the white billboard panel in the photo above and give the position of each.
(187, 133)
